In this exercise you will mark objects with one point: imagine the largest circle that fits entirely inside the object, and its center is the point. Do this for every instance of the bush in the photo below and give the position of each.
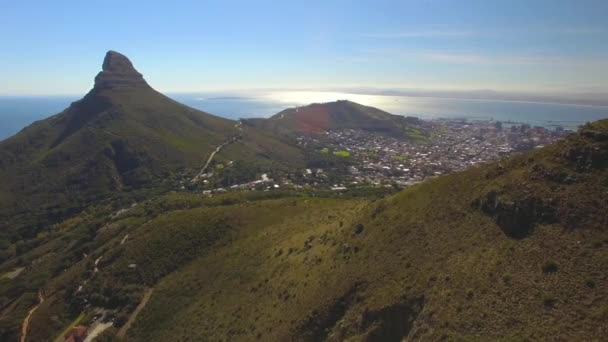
(549, 300)
(550, 266)
(470, 293)
(359, 228)
(121, 319)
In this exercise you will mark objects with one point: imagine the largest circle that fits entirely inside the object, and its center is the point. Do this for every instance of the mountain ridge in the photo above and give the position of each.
(122, 135)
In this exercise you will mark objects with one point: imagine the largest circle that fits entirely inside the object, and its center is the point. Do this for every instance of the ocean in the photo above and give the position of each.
(16, 112)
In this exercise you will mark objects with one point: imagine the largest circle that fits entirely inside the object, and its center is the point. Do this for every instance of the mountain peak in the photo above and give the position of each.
(115, 61)
(118, 72)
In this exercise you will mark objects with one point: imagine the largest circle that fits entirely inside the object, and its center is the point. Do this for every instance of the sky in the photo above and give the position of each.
(536, 46)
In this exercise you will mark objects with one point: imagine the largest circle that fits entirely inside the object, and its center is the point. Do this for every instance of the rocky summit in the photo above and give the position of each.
(118, 72)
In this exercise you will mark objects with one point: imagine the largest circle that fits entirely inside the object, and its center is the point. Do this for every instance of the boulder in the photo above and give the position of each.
(359, 229)
(516, 216)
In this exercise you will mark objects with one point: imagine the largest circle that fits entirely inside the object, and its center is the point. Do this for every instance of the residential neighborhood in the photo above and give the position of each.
(351, 158)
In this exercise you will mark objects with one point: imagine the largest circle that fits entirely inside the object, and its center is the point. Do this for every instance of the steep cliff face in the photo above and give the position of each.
(118, 72)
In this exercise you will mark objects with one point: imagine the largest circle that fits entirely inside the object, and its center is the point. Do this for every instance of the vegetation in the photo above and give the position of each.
(460, 272)
(515, 244)
(497, 252)
(118, 141)
(342, 153)
(416, 134)
(60, 337)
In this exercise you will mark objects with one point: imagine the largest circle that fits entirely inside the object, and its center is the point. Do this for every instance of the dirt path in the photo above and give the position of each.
(207, 163)
(123, 330)
(96, 330)
(218, 149)
(13, 274)
(26, 321)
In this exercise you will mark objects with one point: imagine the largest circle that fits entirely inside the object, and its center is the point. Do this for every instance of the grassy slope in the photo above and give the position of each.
(226, 292)
(429, 264)
(261, 148)
(106, 142)
(175, 229)
(436, 261)
(114, 141)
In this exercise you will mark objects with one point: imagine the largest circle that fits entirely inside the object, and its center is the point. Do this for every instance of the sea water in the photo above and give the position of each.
(17, 112)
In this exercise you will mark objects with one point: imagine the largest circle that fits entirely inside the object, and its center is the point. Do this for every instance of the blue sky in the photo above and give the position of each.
(56, 47)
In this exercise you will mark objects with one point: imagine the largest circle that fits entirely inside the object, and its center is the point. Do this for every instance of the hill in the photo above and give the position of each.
(321, 117)
(514, 250)
(122, 136)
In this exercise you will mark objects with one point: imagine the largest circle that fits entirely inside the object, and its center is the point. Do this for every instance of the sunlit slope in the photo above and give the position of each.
(157, 237)
(512, 250)
(504, 251)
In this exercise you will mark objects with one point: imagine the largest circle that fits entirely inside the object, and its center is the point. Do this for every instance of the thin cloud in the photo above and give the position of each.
(481, 59)
(511, 60)
(421, 34)
(495, 33)
(451, 58)
(581, 31)
(486, 59)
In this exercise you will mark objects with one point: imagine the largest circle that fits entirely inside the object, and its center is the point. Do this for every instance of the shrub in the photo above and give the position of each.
(601, 312)
(549, 300)
(550, 266)
(121, 319)
(590, 283)
(470, 293)
(359, 228)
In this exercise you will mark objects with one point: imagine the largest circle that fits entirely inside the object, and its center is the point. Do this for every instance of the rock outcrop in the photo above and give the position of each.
(118, 72)
(516, 215)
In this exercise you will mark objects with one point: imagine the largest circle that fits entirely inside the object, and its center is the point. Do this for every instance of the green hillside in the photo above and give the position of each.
(515, 250)
(510, 251)
(122, 136)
